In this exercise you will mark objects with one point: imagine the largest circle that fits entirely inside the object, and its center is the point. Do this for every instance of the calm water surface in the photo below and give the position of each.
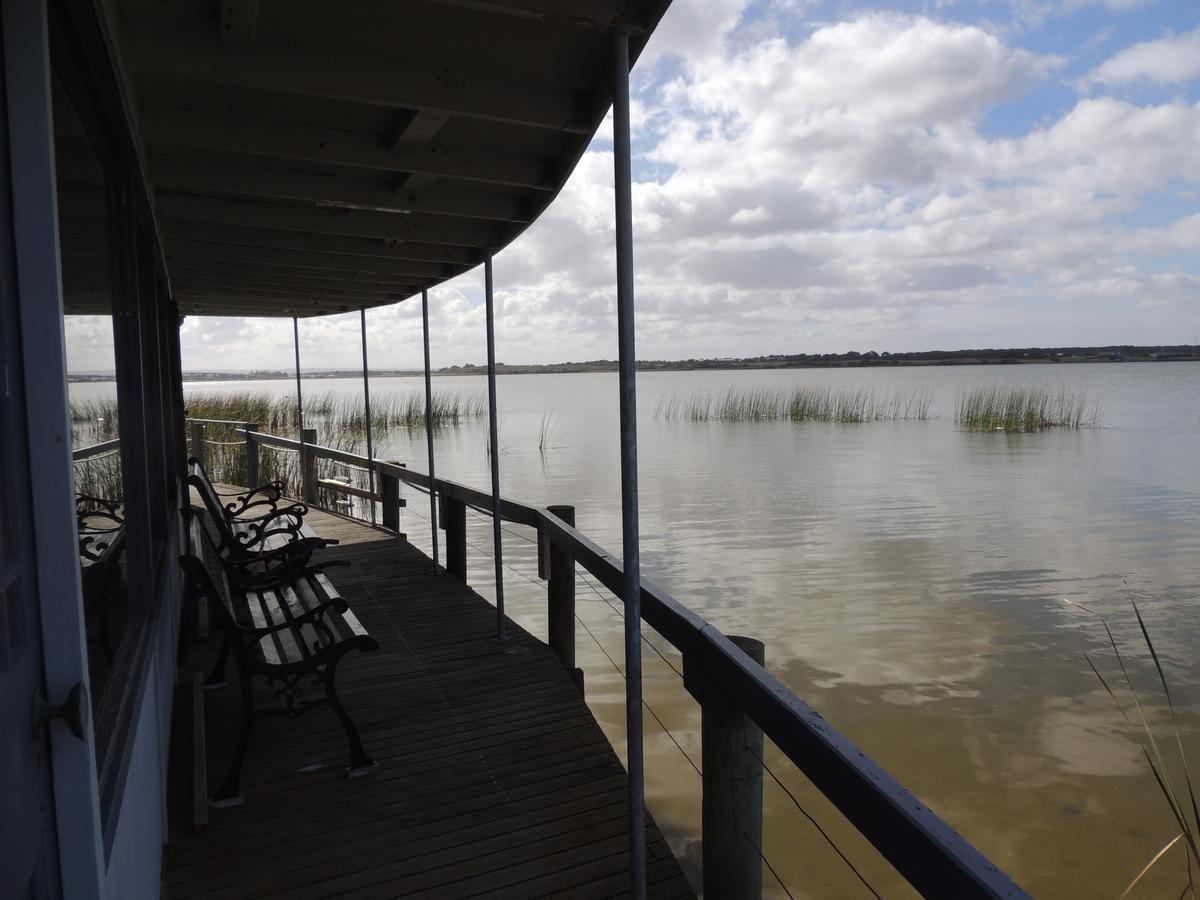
(909, 580)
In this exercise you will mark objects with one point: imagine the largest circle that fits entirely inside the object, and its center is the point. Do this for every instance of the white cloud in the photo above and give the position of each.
(1169, 60)
(831, 192)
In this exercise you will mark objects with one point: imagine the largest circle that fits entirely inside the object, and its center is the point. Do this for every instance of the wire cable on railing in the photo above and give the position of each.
(620, 614)
(763, 857)
(616, 667)
(804, 812)
(649, 708)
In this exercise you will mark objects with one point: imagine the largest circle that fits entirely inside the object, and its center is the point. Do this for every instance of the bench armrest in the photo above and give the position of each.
(272, 489)
(295, 510)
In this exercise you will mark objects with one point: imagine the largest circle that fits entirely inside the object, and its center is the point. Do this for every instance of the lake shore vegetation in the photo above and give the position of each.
(1018, 409)
(804, 403)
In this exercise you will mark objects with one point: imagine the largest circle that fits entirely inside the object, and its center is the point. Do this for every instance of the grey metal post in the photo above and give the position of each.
(198, 446)
(494, 444)
(300, 410)
(560, 597)
(454, 522)
(362, 313)
(732, 824)
(389, 498)
(631, 582)
(252, 480)
(433, 512)
(308, 465)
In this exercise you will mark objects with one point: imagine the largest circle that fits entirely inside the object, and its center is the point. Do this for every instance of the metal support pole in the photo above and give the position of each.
(299, 395)
(631, 582)
(362, 313)
(494, 444)
(433, 506)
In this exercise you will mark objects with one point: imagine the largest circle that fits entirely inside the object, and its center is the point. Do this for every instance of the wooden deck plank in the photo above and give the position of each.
(494, 778)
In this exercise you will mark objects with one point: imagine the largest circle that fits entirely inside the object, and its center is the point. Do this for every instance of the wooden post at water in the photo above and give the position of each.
(252, 479)
(198, 447)
(558, 567)
(731, 749)
(389, 489)
(308, 465)
(454, 521)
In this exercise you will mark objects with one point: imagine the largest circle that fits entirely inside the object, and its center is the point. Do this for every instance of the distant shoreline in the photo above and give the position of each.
(851, 360)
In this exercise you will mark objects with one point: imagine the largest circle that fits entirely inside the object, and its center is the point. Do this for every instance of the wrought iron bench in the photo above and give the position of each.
(100, 551)
(292, 633)
(247, 528)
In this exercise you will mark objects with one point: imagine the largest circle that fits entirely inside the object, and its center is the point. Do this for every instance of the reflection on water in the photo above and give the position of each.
(908, 579)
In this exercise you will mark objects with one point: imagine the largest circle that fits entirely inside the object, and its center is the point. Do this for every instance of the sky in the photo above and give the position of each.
(821, 176)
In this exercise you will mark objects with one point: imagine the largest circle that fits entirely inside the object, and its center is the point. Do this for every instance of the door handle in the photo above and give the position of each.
(73, 711)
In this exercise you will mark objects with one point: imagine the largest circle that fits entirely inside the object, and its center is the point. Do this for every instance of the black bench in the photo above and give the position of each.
(256, 521)
(293, 633)
(101, 546)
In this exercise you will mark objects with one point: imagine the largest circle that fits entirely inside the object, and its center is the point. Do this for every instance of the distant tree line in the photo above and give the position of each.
(851, 359)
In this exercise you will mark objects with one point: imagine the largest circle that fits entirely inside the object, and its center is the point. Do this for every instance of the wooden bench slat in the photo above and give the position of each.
(285, 637)
(355, 626)
(327, 586)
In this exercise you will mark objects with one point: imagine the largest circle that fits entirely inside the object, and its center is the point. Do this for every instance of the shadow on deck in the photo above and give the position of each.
(493, 777)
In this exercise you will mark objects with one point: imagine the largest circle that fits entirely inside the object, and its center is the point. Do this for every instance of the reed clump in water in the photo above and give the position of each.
(389, 410)
(798, 404)
(1017, 409)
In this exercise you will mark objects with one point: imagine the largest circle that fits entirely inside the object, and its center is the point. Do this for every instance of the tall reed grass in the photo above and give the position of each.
(1181, 799)
(340, 422)
(391, 410)
(1024, 409)
(804, 403)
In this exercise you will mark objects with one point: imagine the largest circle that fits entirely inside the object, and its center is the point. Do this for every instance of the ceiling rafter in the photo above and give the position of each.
(300, 241)
(329, 221)
(169, 126)
(248, 180)
(175, 53)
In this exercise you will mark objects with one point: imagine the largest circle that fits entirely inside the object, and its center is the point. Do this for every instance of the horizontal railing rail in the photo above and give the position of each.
(234, 422)
(82, 453)
(924, 849)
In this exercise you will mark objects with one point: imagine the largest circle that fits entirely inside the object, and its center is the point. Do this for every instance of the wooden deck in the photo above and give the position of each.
(494, 778)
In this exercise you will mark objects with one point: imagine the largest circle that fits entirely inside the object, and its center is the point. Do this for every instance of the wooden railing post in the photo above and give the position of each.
(454, 521)
(252, 479)
(731, 750)
(558, 568)
(389, 489)
(308, 465)
(198, 448)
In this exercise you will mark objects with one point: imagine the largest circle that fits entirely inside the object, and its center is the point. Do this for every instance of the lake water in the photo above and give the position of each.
(909, 580)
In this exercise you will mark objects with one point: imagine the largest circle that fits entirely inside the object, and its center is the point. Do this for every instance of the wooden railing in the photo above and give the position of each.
(81, 453)
(730, 686)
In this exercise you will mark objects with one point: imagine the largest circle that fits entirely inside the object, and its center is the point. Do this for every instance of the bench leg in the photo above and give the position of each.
(360, 763)
(216, 678)
(229, 793)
